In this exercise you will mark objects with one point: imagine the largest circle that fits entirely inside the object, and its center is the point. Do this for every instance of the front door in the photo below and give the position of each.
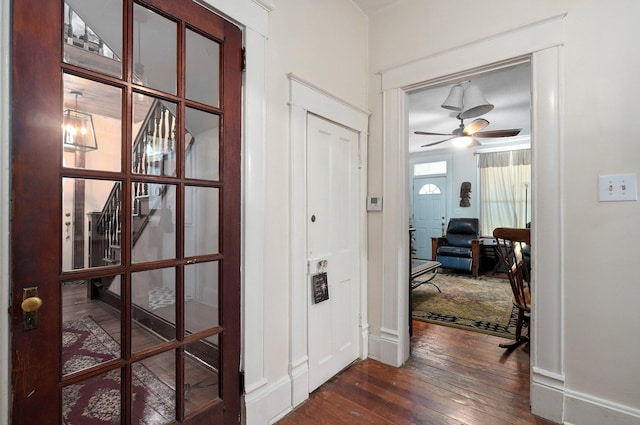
(332, 229)
(125, 248)
(429, 211)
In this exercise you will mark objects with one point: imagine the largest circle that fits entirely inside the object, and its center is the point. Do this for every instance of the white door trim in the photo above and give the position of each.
(541, 42)
(261, 398)
(307, 98)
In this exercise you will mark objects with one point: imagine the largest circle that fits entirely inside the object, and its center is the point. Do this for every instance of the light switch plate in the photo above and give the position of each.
(618, 187)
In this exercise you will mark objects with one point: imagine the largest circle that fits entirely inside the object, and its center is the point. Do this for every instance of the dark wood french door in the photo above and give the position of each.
(125, 246)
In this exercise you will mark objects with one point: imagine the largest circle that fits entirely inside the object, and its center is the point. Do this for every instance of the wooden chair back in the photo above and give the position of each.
(510, 244)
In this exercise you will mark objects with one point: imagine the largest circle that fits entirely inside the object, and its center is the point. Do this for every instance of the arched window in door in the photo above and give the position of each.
(429, 189)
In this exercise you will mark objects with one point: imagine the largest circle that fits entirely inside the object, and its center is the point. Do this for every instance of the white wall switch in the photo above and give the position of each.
(618, 187)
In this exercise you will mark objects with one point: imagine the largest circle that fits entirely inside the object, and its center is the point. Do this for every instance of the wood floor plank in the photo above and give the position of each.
(453, 377)
(469, 406)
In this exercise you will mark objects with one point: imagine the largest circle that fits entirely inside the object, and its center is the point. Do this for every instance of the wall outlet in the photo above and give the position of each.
(618, 187)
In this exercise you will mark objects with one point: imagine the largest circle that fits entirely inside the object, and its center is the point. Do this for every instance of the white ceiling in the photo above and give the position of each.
(372, 6)
(508, 89)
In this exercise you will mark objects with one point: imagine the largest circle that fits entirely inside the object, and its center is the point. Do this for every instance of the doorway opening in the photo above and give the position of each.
(492, 198)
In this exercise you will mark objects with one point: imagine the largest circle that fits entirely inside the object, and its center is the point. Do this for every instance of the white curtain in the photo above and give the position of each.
(505, 189)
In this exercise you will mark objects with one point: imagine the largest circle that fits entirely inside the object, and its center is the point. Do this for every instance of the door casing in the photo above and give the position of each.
(307, 98)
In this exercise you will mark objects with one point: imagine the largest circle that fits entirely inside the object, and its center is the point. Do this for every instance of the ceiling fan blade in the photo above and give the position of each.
(498, 133)
(435, 143)
(475, 126)
(429, 133)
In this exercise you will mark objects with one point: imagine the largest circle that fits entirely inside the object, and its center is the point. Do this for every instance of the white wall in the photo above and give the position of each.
(597, 241)
(325, 43)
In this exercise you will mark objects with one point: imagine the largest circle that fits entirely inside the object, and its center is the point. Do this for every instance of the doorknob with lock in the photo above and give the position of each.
(30, 305)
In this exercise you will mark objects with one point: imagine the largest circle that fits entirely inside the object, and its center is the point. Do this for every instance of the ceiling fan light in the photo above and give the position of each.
(474, 103)
(453, 102)
(462, 141)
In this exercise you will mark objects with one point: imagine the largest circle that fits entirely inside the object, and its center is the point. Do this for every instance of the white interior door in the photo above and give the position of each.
(429, 212)
(332, 247)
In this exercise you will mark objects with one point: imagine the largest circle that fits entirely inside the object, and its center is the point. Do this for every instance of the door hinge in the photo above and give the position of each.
(244, 59)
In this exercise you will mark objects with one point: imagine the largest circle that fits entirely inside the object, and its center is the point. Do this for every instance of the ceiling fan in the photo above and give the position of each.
(467, 99)
(466, 135)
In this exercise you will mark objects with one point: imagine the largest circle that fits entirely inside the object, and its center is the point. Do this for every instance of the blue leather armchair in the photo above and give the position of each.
(460, 248)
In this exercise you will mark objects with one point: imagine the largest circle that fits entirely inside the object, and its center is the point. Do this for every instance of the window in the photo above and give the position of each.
(429, 189)
(430, 168)
(505, 183)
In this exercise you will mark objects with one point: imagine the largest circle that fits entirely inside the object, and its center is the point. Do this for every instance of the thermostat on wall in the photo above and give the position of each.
(374, 203)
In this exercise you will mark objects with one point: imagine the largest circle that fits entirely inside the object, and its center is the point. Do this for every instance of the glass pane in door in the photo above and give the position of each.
(201, 284)
(92, 217)
(153, 230)
(153, 386)
(153, 308)
(201, 227)
(155, 50)
(201, 374)
(96, 400)
(153, 138)
(202, 145)
(90, 323)
(91, 125)
(202, 69)
(92, 35)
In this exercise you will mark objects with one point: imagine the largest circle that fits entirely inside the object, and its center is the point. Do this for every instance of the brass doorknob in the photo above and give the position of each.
(31, 304)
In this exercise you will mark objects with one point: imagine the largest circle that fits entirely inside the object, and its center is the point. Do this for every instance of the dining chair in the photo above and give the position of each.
(513, 246)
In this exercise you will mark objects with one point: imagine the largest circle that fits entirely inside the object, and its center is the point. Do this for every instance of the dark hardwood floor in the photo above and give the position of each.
(452, 377)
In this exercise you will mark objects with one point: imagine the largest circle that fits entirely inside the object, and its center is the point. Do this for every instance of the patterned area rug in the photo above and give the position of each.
(481, 305)
(96, 401)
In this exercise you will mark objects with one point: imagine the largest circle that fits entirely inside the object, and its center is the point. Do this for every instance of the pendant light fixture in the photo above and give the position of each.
(467, 100)
(77, 129)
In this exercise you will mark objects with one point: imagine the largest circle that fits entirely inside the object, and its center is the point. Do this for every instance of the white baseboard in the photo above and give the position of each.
(547, 402)
(389, 351)
(266, 404)
(374, 347)
(299, 373)
(551, 400)
(584, 409)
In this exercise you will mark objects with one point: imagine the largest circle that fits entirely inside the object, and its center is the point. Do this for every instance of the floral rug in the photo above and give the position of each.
(481, 305)
(96, 401)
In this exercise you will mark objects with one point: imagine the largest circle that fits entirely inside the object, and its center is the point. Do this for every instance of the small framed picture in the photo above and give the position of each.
(319, 287)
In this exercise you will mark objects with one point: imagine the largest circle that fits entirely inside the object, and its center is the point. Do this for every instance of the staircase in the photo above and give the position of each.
(153, 153)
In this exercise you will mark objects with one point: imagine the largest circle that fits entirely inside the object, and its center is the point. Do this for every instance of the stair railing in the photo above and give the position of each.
(153, 146)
